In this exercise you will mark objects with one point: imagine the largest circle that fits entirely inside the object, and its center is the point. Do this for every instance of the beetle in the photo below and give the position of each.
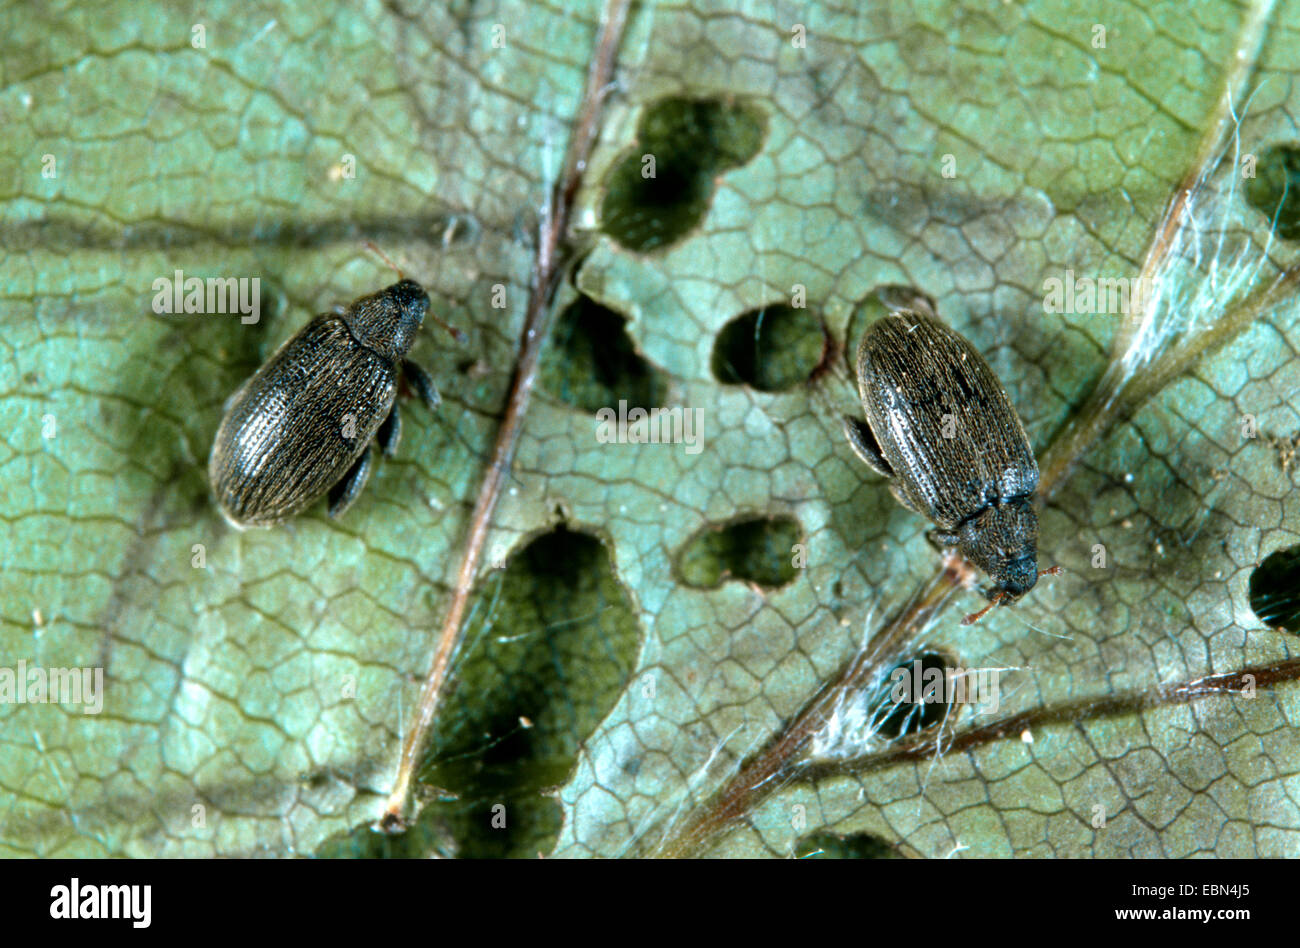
(303, 423)
(939, 425)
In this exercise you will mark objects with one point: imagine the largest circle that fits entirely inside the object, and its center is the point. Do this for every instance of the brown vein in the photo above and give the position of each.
(552, 257)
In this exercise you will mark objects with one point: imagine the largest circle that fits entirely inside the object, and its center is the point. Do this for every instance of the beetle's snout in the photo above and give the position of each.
(1020, 576)
(409, 294)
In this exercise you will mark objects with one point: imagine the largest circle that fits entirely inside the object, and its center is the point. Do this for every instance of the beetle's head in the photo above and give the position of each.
(386, 322)
(1003, 541)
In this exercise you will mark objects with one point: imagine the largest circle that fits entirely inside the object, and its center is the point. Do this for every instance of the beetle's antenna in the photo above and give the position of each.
(455, 333)
(370, 244)
(974, 617)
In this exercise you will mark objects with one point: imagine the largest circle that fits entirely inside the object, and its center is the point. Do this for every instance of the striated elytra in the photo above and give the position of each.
(940, 426)
(303, 423)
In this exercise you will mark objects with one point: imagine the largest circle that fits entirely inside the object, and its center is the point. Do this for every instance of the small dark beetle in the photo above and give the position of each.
(303, 423)
(941, 427)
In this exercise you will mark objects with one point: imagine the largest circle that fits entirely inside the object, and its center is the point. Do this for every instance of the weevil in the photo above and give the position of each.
(939, 425)
(303, 423)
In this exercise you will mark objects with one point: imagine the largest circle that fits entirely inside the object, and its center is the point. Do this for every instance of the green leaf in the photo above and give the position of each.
(642, 623)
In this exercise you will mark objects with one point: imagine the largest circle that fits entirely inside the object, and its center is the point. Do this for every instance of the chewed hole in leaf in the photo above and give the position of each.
(826, 845)
(914, 696)
(772, 349)
(1275, 590)
(758, 550)
(1275, 189)
(551, 645)
(592, 363)
(663, 189)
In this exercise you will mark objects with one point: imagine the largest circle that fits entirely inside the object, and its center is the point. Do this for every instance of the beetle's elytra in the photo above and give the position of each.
(303, 423)
(941, 428)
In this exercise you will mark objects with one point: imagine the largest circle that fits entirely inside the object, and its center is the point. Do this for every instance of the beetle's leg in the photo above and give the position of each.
(865, 446)
(346, 490)
(390, 432)
(424, 386)
(997, 598)
(941, 540)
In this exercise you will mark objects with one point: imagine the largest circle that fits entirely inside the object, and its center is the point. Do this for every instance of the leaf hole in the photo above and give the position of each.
(550, 646)
(915, 696)
(1275, 590)
(827, 845)
(756, 549)
(772, 349)
(1275, 189)
(593, 363)
(663, 188)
